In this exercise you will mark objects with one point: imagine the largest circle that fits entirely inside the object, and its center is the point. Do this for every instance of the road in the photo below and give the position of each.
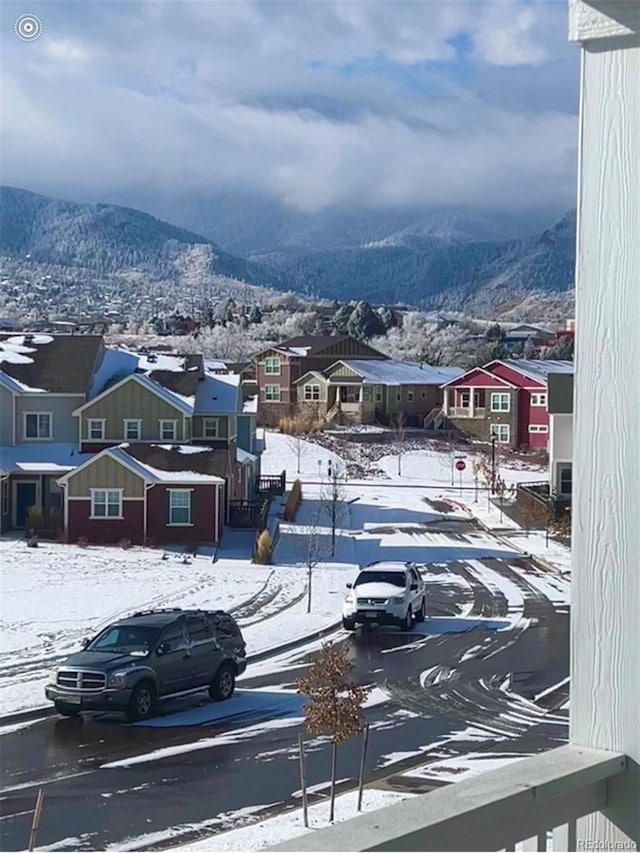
(215, 772)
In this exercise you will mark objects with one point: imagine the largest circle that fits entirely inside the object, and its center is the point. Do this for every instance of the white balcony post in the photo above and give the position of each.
(605, 621)
(445, 403)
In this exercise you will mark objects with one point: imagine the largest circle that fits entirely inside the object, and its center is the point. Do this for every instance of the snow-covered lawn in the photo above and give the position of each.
(281, 453)
(263, 834)
(55, 595)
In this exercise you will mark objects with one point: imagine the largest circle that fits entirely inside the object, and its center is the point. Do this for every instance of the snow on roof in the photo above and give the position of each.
(184, 448)
(243, 456)
(15, 384)
(215, 366)
(539, 369)
(157, 475)
(387, 372)
(218, 394)
(185, 404)
(41, 458)
(250, 405)
(115, 362)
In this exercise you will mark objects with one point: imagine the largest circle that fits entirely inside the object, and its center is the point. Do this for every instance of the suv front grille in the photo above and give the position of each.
(376, 601)
(80, 679)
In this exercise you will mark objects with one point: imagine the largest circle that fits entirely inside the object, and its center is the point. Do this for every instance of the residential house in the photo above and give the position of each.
(146, 494)
(373, 391)
(519, 335)
(560, 407)
(65, 400)
(43, 379)
(505, 401)
(279, 367)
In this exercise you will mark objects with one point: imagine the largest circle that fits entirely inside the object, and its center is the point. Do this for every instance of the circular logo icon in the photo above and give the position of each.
(28, 27)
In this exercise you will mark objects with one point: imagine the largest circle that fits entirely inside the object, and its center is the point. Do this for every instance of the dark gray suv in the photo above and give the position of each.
(151, 655)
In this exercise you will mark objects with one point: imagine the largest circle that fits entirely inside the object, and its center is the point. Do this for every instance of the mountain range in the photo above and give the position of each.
(445, 259)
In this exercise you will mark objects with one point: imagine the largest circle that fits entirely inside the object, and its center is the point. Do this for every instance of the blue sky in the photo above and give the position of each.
(318, 103)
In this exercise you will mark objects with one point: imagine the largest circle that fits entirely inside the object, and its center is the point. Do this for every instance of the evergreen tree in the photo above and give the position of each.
(563, 350)
(386, 317)
(364, 323)
(340, 320)
(494, 333)
(255, 314)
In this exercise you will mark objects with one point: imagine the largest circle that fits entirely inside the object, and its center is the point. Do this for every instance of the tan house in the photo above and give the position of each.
(278, 369)
(373, 391)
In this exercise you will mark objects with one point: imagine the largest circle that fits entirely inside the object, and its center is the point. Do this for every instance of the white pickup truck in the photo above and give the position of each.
(385, 594)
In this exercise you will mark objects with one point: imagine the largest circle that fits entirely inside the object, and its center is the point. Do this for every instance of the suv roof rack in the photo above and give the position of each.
(155, 610)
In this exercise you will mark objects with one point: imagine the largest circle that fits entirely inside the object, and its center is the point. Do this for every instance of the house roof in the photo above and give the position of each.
(59, 364)
(315, 374)
(459, 380)
(218, 394)
(41, 458)
(388, 372)
(538, 369)
(161, 463)
(182, 403)
(311, 345)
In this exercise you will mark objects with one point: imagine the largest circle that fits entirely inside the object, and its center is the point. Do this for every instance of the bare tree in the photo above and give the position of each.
(398, 421)
(334, 703)
(298, 446)
(314, 547)
(333, 502)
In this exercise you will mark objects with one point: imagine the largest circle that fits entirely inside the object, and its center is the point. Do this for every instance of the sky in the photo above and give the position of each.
(316, 104)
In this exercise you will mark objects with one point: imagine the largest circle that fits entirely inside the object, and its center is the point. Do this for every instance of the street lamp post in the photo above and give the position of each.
(493, 465)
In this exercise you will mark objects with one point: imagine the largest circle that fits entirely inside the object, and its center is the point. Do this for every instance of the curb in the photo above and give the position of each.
(47, 711)
(537, 561)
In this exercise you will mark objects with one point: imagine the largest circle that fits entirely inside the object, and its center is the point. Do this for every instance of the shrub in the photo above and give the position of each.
(299, 425)
(83, 542)
(125, 544)
(293, 501)
(263, 549)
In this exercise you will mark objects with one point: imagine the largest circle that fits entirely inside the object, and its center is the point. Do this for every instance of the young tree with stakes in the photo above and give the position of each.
(399, 421)
(333, 502)
(313, 549)
(334, 703)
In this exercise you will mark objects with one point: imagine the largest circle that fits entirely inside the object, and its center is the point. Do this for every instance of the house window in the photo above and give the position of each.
(210, 428)
(410, 395)
(378, 393)
(106, 503)
(272, 366)
(37, 425)
(538, 399)
(311, 392)
(465, 399)
(501, 432)
(272, 393)
(564, 479)
(95, 428)
(179, 506)
(5, 497)
(399, 394)
(538, 428)
(133, 429)
(168, 430)
(500, 402)
(423, 393)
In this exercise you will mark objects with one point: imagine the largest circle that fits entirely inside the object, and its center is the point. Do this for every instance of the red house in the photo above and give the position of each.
(505, 400)
(146, 494)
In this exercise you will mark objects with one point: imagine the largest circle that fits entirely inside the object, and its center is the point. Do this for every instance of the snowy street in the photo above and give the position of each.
(453, 696)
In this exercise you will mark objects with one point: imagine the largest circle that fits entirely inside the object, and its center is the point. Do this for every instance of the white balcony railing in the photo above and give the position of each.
(465, 412)
(506, 809)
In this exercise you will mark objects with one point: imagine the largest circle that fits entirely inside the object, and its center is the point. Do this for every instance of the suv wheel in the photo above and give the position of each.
(420, 615)
(66, 710)
(223, 684)
(142, 702)
(348, 624)
(407, 623)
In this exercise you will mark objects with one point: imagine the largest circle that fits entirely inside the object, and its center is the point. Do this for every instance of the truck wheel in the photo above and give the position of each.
(66, 710)
(142, 703)
(348, 624)
(223, 685)
(420, 615)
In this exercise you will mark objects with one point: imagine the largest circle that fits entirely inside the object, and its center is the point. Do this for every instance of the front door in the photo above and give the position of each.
(25, 496)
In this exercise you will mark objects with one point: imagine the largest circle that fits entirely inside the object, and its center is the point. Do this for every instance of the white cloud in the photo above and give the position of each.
(315, 103)
(65, 50)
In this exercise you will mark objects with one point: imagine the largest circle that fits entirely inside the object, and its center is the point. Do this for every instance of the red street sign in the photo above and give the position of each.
(460, 465)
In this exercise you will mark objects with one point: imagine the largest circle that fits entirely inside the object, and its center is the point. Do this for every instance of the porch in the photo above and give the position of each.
(465, 402)
(32, 502)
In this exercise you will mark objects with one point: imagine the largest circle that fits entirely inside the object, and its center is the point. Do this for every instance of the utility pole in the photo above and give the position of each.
(493, 465)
